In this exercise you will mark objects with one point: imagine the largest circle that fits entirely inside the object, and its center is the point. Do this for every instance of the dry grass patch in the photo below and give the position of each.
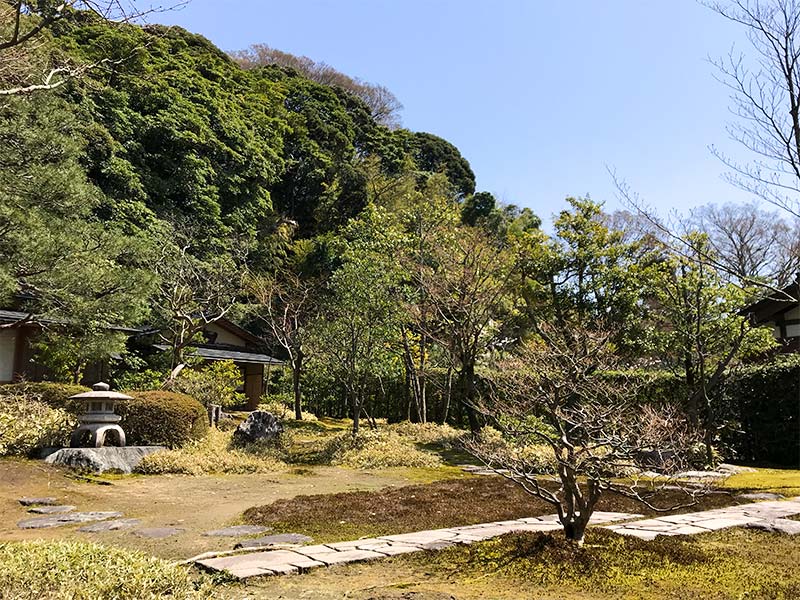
(448, 503)
(87, 571)
(723, 565)
(214, 454)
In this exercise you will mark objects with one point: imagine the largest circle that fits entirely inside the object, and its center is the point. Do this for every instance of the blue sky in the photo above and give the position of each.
(540, 96)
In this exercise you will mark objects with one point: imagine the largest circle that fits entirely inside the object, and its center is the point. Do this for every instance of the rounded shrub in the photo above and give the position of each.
(159, 418)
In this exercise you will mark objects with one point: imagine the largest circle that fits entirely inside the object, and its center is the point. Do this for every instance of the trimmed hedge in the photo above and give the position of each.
(159, 418)
(765, 400)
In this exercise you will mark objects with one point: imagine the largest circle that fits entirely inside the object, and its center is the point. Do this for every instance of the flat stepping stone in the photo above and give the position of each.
(237, 530)
(60, 520)
(272, 562)
(113, 525)
(157, 533)
(728, 468)
(272, 540)
(50, 510)
(785, 526)
(45, 501)
(768, 516)
(761, 496)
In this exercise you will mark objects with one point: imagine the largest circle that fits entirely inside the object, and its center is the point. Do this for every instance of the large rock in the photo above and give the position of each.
(260, 425)
(99, 460)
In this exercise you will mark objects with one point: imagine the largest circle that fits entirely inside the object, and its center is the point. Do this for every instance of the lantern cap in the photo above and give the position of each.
(100, 391)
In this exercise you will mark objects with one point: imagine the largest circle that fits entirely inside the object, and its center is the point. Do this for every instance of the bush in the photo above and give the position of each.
(376, 449)
(764, 399)
(159, 418)
(148, 379)
(88, 571)
(212, 455)
(53, 394)
(27, 423)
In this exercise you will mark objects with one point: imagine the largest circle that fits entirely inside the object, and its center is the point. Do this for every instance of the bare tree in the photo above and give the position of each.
(287, 304)
(755, 243)
(466, 291)
(383, 104)
(766, 98)
(554, 393)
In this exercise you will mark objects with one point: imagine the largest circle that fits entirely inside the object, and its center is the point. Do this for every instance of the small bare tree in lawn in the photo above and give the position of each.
(556, 392)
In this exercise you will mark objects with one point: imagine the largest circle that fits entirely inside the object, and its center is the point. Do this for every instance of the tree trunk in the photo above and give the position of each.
(448, 394)
(297, 369)
(467, 376)
(575, 530)
(356, 403)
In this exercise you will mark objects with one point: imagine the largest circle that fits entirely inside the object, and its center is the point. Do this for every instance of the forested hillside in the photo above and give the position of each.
(155, 181)
(159, 178)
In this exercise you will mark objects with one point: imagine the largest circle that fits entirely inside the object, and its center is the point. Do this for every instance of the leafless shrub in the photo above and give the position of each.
(554, 392)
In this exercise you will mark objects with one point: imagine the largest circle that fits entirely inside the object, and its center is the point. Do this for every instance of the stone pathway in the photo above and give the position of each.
(712, 520)
(281, 562)
(769, 516)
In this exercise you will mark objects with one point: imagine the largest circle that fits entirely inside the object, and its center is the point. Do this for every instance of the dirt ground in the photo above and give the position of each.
(194, 504)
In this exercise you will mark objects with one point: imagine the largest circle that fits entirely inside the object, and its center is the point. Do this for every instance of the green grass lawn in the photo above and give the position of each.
(779, 481)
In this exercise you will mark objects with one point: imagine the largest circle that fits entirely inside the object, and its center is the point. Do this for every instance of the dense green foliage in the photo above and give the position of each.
(161, 418)
(167, 186)
(763, 400)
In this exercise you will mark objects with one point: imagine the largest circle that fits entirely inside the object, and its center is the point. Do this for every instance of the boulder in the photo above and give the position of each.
(259, 426)
(100, 460)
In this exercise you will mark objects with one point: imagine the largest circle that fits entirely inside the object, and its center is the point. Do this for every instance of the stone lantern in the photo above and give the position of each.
(98, 423)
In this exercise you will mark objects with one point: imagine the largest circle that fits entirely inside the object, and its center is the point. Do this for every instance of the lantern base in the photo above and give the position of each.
(95, 435)
(101, 460)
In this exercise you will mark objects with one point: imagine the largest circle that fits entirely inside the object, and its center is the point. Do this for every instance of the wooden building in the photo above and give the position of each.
(224, 340)
(781, 311)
